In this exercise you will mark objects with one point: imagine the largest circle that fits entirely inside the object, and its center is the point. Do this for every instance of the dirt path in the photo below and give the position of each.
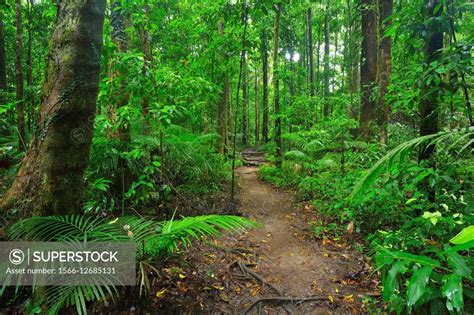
(284, 254)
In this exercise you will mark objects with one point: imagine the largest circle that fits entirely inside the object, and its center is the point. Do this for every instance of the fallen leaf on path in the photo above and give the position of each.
(160, 293)
(349, 298)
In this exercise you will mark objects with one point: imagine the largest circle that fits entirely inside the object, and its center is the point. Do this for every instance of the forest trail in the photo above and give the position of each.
(262, 270)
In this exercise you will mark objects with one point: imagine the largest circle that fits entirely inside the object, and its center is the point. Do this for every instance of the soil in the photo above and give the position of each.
(277, 268)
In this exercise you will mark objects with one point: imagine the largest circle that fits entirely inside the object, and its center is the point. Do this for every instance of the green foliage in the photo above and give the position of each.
(158, 237)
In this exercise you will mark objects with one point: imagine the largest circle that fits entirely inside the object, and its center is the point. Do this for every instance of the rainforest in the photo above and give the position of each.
(242, 156)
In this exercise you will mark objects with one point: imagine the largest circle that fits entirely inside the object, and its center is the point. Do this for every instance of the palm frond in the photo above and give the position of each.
(399, 154)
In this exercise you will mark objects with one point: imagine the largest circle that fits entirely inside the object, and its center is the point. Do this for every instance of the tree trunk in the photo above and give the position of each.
(368, 69)
(428, 105)
(276, 81)
(353, 62)
(384, 66)
(147, 65)
(318, 61)
(310, 52)
(20, 112)
(50, 179)
(245, 101)
(3, 65)
(222, 103)
(264, 52)
(326, 62)
(29, 67)
(257, 110)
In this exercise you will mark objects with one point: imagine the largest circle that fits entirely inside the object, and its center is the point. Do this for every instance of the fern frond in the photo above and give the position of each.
(399, 154)
(296, 156)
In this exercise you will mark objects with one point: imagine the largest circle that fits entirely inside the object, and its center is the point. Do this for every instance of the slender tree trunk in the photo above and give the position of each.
(276, 80)
(310, 52)
(147, 65)
(50, 179)
(318, 61)
(428, 105)
(352, 71)
(257, 110)
(384, 67)
(20, 111)
(245, 101)
(29, 67)
(222, 103)
(326, 62)
(264, 52)
(368, 70)
(3, 65)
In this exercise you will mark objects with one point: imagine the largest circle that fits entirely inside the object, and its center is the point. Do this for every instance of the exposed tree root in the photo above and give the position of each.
(284, 299)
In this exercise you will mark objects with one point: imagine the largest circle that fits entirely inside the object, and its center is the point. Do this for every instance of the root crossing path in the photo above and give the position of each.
(280, 267)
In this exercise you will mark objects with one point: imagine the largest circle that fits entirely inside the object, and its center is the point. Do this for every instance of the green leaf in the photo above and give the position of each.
(391, 283)
(417, 285)
(452, 290)
(466, 235)
(458, 264)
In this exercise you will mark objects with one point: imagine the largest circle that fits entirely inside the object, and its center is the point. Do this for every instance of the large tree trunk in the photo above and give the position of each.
(384, 65)
(310, 52)
(264, 52)
(20, 112)
(428, 105)
(326, 62)
(368, 70)
(276, 80)
(51, 177)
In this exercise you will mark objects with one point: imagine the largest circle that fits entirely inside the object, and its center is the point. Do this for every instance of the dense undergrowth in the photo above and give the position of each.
(407, 235)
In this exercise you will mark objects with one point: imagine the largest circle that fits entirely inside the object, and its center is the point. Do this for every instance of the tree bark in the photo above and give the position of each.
(257, 110)
(276, 81)
(147, 65)
(326, 62)
(318, 61)
(50, 179)
(368, 70)
(245, 101)
(29, 67)
(353, 62)
(428, 105)
(310, 52)
(20, 111)
(264, 52)
(3, 65)
(384, 67)
(222, 103)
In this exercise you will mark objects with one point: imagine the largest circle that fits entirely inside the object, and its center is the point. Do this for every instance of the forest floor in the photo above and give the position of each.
(278, 268)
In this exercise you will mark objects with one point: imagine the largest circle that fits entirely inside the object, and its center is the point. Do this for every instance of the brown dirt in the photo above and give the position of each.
(282, 251)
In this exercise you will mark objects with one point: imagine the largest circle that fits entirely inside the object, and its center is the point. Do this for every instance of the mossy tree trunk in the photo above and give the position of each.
(51, 177)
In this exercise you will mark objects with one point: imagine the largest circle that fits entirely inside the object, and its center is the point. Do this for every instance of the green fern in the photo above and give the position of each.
(404, 150)
(158, 237)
